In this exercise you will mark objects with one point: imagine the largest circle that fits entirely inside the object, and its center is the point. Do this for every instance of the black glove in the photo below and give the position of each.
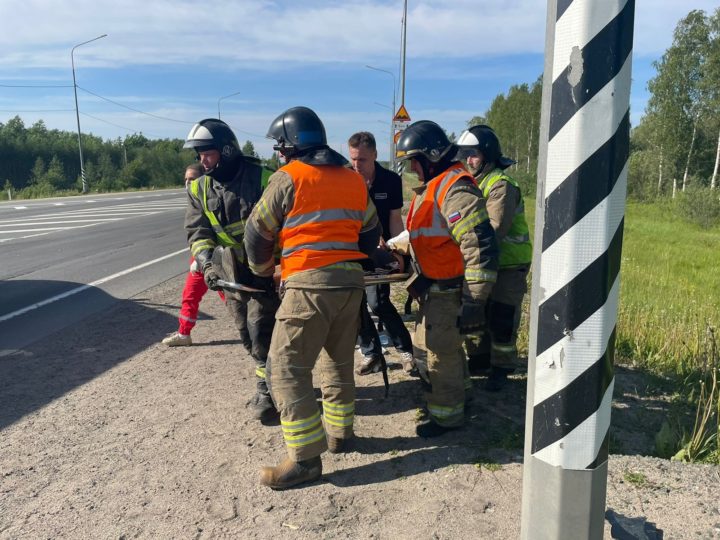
(211, 277)
(472, 316)
(267, 284)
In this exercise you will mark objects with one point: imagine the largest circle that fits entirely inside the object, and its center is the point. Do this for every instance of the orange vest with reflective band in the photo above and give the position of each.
(323, 226)
(435, 249)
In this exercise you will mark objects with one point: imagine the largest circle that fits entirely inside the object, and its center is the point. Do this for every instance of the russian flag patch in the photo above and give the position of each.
(452, 218)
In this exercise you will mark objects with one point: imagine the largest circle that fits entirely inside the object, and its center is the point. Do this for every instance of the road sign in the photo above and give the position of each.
(401, 115)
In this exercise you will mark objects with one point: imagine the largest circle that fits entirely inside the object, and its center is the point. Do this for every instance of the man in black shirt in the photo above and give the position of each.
(386, 192)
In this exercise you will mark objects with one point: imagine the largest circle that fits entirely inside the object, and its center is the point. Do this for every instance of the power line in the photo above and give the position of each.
(37, 110)
(36, 85)
(135, 110)
(119, 126)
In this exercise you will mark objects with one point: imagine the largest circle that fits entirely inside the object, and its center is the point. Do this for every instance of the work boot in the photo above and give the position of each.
(291, 473)
(370, 364)
(176, 339)
(264, 409)
(337, 445)
(428, 429)
(408, 363)
(497, 379)
(479, 364)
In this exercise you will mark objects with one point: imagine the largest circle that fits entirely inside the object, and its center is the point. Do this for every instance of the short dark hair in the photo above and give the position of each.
(196, 168)
(362, 138)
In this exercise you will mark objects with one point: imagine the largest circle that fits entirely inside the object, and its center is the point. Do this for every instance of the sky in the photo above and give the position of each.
(167, 64)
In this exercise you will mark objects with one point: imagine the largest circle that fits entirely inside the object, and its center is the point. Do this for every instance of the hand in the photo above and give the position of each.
(267, 284)
(211, 277)
(471, 317)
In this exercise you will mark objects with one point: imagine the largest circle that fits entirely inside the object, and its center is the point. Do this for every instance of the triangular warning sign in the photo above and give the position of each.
(401, 115)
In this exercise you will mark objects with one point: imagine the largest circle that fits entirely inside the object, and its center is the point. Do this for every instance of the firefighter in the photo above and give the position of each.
(320, 212)
(496, 346)
(455, 253)
(219, 205)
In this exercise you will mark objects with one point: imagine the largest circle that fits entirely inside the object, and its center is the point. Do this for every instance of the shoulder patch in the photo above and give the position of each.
(454, 217)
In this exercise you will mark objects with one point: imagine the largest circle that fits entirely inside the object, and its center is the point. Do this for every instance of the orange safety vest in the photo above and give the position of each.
(323, 226)
(435, 249)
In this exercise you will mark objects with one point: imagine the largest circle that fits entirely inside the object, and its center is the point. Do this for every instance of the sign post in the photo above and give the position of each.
(582, 180)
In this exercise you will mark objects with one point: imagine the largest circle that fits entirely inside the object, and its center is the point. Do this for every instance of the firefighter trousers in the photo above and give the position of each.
(438, 344)
(308, 321)
(498, 341)
(254, 316)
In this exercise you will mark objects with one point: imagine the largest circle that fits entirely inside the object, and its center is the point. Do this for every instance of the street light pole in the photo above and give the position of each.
(77, 110)
(392, 113)
(225, 97)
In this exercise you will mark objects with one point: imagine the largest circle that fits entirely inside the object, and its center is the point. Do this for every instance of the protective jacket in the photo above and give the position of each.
(450, 232)
(506, 210)
(216, 214)
(324, 221)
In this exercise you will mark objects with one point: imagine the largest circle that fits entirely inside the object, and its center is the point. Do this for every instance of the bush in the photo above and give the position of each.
(700, 206)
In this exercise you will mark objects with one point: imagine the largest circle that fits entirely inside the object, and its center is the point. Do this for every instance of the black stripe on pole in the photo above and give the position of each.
(603, 57)
(603, 452)
(562, 412)
(587, 186)
(562, 6)
(569, 307)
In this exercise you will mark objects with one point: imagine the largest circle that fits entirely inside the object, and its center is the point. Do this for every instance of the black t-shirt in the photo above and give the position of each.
(386, 194)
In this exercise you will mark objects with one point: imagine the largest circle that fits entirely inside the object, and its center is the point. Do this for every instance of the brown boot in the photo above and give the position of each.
(337, 445)
(291, 473)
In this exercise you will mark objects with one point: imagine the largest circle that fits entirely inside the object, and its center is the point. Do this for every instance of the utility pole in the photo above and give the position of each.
(392, 112)
(77, 110)
(225, 97)
(582, 184)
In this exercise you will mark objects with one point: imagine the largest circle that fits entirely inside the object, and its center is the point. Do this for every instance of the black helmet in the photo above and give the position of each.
(296, 130)
(213, 134)
(423, 138)
(483, 139)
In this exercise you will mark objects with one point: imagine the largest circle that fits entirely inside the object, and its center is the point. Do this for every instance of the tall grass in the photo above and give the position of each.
(670, 290)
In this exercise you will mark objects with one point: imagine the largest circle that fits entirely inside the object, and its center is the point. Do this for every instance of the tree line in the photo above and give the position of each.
(39, 162)
(675, 148)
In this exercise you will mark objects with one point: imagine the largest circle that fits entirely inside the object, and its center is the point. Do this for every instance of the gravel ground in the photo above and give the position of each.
(105, 433)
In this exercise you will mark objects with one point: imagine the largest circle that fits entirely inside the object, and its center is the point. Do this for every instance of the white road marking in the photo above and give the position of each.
(20, 207)
(95, 283)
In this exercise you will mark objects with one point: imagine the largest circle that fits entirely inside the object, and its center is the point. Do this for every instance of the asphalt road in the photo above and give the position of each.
(64, 259)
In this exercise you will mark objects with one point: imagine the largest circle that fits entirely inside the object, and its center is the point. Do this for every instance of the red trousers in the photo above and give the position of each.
(195, 288)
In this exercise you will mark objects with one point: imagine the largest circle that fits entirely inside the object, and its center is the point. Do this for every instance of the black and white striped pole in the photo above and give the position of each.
(582, 180)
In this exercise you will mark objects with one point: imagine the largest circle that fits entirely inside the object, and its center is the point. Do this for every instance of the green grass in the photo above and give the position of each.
(669, 289)
(636, 479)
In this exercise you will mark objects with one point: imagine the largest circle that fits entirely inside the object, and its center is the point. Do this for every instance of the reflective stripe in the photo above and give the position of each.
(223, 237)
(503, 348)
(467, 223)
(370, 213)
(320, 216)
(260, 372)
(349, 266)
(300, 425)
(295, 441)
(321, 246)
(479, 274)
(517, 239)
(201, 245)
(266, 217)
(515, 248)
(339, 407)
(339, 414)
(447, 415)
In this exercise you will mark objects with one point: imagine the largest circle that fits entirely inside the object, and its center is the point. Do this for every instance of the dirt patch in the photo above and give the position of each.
(101, 439)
